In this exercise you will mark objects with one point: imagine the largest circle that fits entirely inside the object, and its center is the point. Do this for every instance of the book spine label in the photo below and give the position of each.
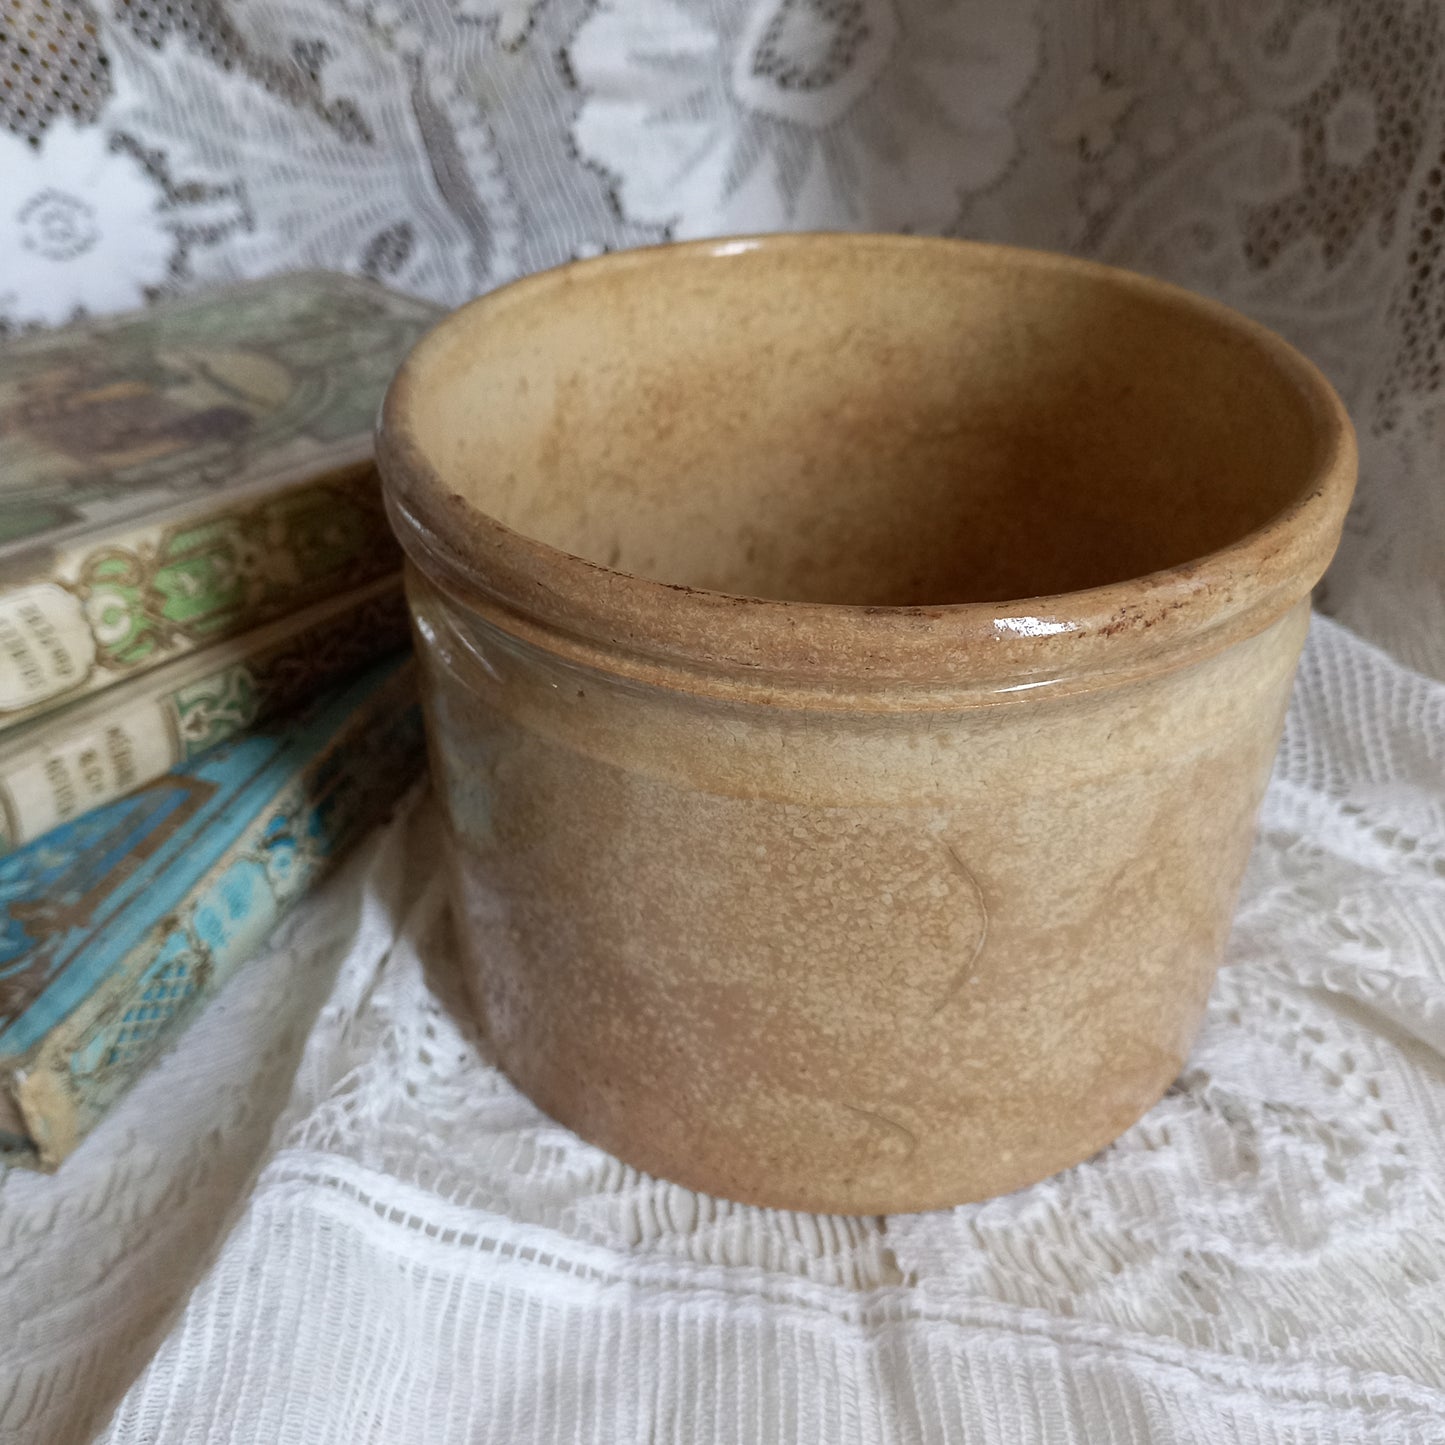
(132, 746)
(157, 592)
(155, 725)
(47, 648)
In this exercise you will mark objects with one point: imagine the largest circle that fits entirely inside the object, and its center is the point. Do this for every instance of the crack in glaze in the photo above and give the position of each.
(963, 871)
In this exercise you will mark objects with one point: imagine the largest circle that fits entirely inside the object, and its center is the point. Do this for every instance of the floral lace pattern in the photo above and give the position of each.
(1287, 157)
(81, 229)
(812, 114)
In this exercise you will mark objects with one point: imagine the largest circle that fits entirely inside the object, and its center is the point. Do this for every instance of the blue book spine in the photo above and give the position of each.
(116, 928)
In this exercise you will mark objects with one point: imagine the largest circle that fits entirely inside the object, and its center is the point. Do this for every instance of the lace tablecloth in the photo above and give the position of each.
(327, 1218)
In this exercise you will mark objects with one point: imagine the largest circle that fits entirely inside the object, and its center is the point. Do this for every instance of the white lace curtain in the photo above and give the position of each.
(1285, 155)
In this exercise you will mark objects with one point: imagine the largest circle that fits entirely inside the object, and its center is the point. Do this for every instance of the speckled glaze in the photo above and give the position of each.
(853, 666)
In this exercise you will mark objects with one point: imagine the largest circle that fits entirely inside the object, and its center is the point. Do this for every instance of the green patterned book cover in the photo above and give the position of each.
(115, 928)
(57, 767)
(182, 475)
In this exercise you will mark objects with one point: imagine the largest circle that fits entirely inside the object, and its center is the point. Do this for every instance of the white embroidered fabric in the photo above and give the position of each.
(327, 1218)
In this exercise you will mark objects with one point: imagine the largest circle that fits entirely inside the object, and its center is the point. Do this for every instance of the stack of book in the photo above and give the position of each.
(205, 692)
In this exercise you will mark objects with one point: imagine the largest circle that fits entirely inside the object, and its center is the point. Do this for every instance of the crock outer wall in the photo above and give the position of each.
(842, 910)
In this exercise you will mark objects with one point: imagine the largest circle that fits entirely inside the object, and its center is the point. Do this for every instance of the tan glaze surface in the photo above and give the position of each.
(853, 666)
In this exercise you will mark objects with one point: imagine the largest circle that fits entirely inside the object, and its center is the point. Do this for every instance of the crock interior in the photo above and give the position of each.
(861, 424)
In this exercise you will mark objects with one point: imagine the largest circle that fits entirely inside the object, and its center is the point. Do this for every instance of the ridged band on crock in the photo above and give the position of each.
(870, 657)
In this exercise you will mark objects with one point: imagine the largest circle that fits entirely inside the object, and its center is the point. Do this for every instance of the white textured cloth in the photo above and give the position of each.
(326, 1218)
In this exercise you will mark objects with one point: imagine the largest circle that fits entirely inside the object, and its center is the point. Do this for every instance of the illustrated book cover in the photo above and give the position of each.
(115, 928)
(181, 475)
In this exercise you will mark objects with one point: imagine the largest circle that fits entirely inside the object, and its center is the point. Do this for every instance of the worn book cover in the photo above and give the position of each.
(184, 474)
(81, 756)
(116, 927)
